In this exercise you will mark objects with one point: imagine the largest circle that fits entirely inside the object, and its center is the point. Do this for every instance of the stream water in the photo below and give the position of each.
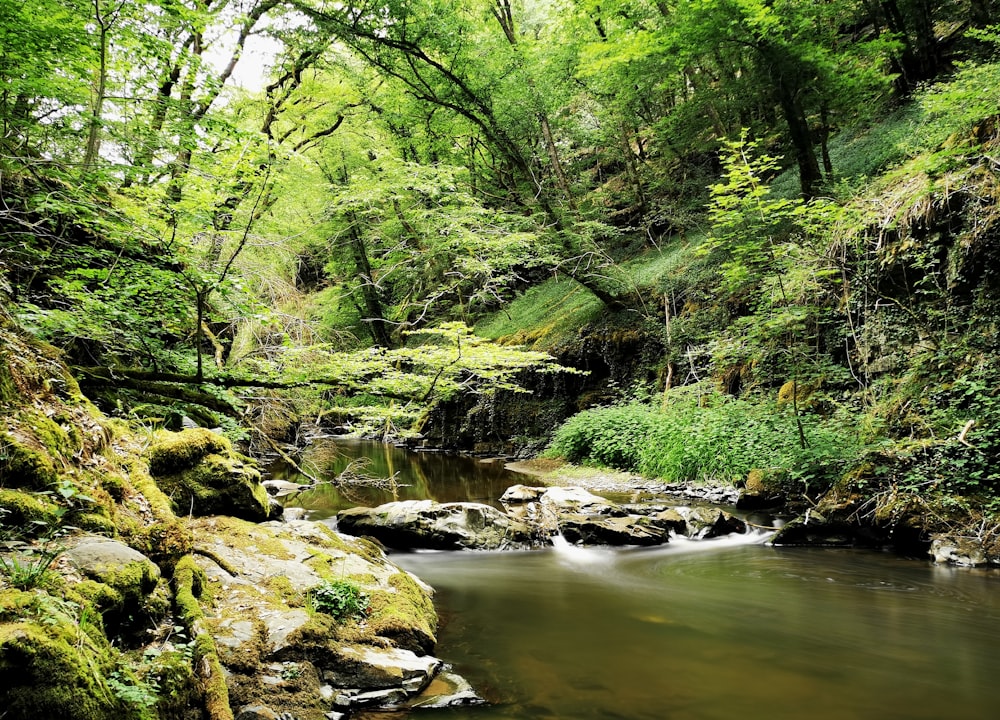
(708, 630)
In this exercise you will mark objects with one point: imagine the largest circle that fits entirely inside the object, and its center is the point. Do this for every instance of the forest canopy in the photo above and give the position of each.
(196, 194)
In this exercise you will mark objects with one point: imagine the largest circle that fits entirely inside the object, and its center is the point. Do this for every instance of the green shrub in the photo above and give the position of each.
(342, 599)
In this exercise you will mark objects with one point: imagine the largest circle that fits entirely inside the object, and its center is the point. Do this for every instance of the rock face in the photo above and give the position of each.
(283, 657)
(438, 526)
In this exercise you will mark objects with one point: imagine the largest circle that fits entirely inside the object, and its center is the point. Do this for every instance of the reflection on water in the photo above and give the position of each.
(725, 631)
(425, 475)
(708, 630)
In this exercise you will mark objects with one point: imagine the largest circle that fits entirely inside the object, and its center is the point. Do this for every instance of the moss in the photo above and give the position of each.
(100, 595)
(245, 535)
(26, 510)
(189, 581)
(283, 588)
(218, 485)
(8, 391)
(406, 616)
(175, 452)
(95, 522)
(163, 542)
(157, 500)
(54, 664)
(24, 463)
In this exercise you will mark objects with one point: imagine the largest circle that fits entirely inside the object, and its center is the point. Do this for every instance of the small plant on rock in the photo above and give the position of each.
(342, 599)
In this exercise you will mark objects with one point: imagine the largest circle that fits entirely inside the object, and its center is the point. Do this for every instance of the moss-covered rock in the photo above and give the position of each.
(173, 452)
(53, 665)
(202, 475)
(25, 463)
(22, 509)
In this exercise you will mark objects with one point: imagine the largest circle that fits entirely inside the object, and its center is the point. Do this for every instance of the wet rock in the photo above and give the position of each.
(816, 529)
(706, 522)
(447, 689)
(670, 519)
(438, 526)
(604, 530)
(370, 668)
(967, 552)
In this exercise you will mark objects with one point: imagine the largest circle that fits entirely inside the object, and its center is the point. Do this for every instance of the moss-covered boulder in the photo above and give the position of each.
(54, 664)
(128, 578)
(202, 475)
(256, 593)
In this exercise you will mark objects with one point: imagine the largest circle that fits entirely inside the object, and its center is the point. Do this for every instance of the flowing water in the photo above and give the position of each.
(714, 629)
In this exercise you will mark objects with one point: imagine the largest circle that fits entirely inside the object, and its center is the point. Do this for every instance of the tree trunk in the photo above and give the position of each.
(369, 290)
(787, 91)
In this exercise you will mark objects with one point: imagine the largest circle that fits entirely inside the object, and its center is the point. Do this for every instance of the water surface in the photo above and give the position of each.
(710, 630)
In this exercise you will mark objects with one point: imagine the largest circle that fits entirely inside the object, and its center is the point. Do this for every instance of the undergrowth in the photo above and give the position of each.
(714, 438)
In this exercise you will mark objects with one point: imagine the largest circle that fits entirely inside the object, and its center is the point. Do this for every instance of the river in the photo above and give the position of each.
(706, 630)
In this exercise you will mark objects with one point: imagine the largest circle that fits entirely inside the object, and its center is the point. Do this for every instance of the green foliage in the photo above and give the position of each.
(711, 438)
(341, 599)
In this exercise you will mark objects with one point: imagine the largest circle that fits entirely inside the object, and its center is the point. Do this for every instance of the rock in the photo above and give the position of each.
(128, 577)
(814, 529)
(718, 494)
(705, 522)
(371, 668)
(256, 712)
(762, 489)
(520, 494)
(967, 552)
(447, 689)
(576, 500)
(203, 475)
(259, 576)
(604, 530)
(438, 526)
(670, 519)
(50, 666)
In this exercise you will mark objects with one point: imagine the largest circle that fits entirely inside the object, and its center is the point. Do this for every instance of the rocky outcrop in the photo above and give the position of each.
(269, 639)
(438, 526)
(202, 475)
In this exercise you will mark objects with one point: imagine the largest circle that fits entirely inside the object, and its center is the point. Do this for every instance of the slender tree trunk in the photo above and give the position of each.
(369, 290)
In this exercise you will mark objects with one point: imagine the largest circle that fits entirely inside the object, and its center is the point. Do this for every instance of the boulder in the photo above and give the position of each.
(709, 522)
(605, 530)
(670, 519)
(438, 526)
(576, 500)
(762, 489)
(202, 475)
(124, 580)
(260, 576)
(967, 552)
(370, 668)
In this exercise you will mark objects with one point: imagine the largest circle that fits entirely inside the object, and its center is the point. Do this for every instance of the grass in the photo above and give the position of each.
(543, 316)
